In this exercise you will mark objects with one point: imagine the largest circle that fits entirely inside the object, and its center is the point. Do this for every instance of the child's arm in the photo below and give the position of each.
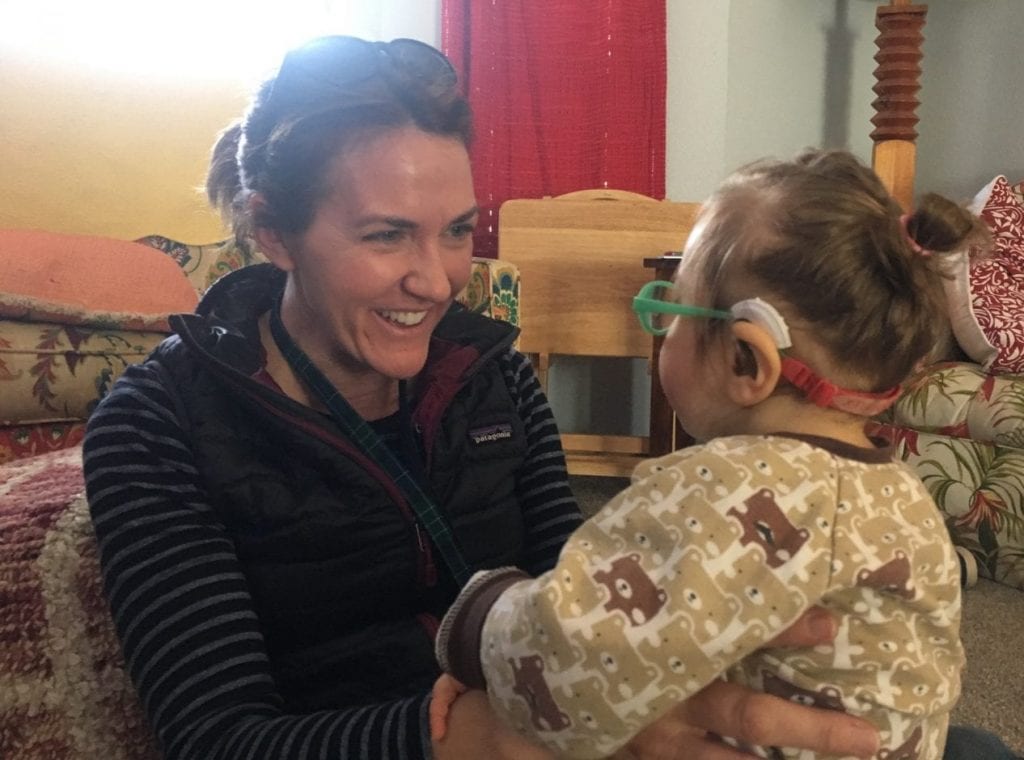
(458, 640)
(643, 609)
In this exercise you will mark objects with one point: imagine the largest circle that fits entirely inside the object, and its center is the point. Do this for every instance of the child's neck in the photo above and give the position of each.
(787, 414)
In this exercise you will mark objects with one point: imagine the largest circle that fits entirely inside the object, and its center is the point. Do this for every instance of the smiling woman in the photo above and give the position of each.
(303, 460)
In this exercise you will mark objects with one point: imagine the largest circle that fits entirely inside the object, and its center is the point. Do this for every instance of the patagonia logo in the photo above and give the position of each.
(491, 433)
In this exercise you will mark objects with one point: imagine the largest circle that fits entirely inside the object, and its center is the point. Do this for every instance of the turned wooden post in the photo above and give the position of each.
(896, 85)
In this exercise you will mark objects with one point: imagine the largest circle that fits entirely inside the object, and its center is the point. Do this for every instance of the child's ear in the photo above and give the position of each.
(271, 243)
(756, 364)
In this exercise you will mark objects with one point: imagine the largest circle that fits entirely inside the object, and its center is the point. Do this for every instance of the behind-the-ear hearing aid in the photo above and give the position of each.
(815, 387)
(762, 313)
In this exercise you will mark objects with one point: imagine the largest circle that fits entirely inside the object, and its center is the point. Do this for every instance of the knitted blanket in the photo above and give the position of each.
(63, 688)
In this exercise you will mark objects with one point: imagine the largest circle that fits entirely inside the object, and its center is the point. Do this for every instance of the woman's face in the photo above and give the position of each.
(388, 249)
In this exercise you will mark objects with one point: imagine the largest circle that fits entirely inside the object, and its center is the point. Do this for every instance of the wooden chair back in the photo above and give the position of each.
(580, 257)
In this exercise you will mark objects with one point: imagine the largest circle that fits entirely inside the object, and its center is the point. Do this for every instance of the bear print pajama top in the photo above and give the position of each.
(687, 574)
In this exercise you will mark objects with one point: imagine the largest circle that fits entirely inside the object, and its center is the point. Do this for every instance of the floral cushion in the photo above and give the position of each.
(962, 430)
(963, 317)
(56, 372)
(996, 284)
(64, 692)
(962, 400)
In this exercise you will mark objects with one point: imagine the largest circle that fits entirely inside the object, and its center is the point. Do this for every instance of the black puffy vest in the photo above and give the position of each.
(346, 584)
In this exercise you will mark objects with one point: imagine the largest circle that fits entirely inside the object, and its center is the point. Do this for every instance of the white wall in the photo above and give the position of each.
(972, 96)
(753, 78)
(418, 19)
(750, 78)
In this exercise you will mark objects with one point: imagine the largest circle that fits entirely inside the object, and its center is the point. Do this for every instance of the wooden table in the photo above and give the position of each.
(666, 432)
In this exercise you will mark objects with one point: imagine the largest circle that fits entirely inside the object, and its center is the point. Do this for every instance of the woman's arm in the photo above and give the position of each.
(550, 512)
(192, 641)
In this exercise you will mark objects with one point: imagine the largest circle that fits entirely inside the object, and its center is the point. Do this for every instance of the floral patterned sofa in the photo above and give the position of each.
(63, 689)
(961, 423)
(962, 429)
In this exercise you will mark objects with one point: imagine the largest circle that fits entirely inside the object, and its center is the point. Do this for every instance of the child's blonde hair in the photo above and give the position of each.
(821, 238)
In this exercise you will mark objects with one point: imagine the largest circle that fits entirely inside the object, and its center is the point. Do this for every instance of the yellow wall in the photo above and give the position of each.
(97, 152)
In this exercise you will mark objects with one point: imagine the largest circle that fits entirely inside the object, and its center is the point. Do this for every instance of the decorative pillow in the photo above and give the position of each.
(80, 279)
(964, 320)
(65, 693)
(55, 372)
(203, 264)
(988, 324)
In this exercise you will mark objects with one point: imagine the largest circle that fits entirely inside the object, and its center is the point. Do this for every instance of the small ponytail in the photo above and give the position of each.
(223, 179)
(938, 225)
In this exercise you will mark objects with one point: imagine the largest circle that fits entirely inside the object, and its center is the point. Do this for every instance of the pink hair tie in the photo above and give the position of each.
(914, 245)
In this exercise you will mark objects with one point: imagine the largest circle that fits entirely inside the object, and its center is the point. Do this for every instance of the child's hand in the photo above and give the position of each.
(446, 691)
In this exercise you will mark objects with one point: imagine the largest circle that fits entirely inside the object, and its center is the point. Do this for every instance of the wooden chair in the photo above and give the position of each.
(581, 260)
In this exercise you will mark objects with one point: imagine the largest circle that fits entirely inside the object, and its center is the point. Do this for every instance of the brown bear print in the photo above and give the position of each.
(827, 698)
(765, 524)
(631, 590)
(909, 750)
(531, 686)
(893, 577)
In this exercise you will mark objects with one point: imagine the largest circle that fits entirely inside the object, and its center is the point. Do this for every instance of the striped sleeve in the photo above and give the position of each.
(180, 603)
(550, 512)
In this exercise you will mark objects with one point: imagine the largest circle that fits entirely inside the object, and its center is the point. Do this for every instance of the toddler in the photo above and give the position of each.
(803, 299)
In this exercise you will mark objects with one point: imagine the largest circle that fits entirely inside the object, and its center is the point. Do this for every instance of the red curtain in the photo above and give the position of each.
(566, 96)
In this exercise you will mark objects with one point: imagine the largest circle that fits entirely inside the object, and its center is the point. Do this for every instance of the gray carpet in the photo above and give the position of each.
(992, 632)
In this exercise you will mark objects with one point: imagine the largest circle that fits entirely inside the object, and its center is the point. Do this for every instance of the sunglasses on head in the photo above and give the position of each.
(340, 62)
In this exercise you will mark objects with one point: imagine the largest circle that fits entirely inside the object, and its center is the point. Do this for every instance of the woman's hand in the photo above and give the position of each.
(689, 731)
(446, 691)
(474, 731)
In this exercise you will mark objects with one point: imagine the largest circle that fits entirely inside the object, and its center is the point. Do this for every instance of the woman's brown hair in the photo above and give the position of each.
(327, 94)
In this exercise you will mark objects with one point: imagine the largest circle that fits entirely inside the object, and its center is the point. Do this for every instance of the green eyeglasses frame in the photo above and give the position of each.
(644, 304)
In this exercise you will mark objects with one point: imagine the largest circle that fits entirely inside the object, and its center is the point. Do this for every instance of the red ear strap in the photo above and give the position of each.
(823, 393)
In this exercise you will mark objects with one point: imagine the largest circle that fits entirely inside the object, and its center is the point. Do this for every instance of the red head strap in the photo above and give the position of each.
(823, 393)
